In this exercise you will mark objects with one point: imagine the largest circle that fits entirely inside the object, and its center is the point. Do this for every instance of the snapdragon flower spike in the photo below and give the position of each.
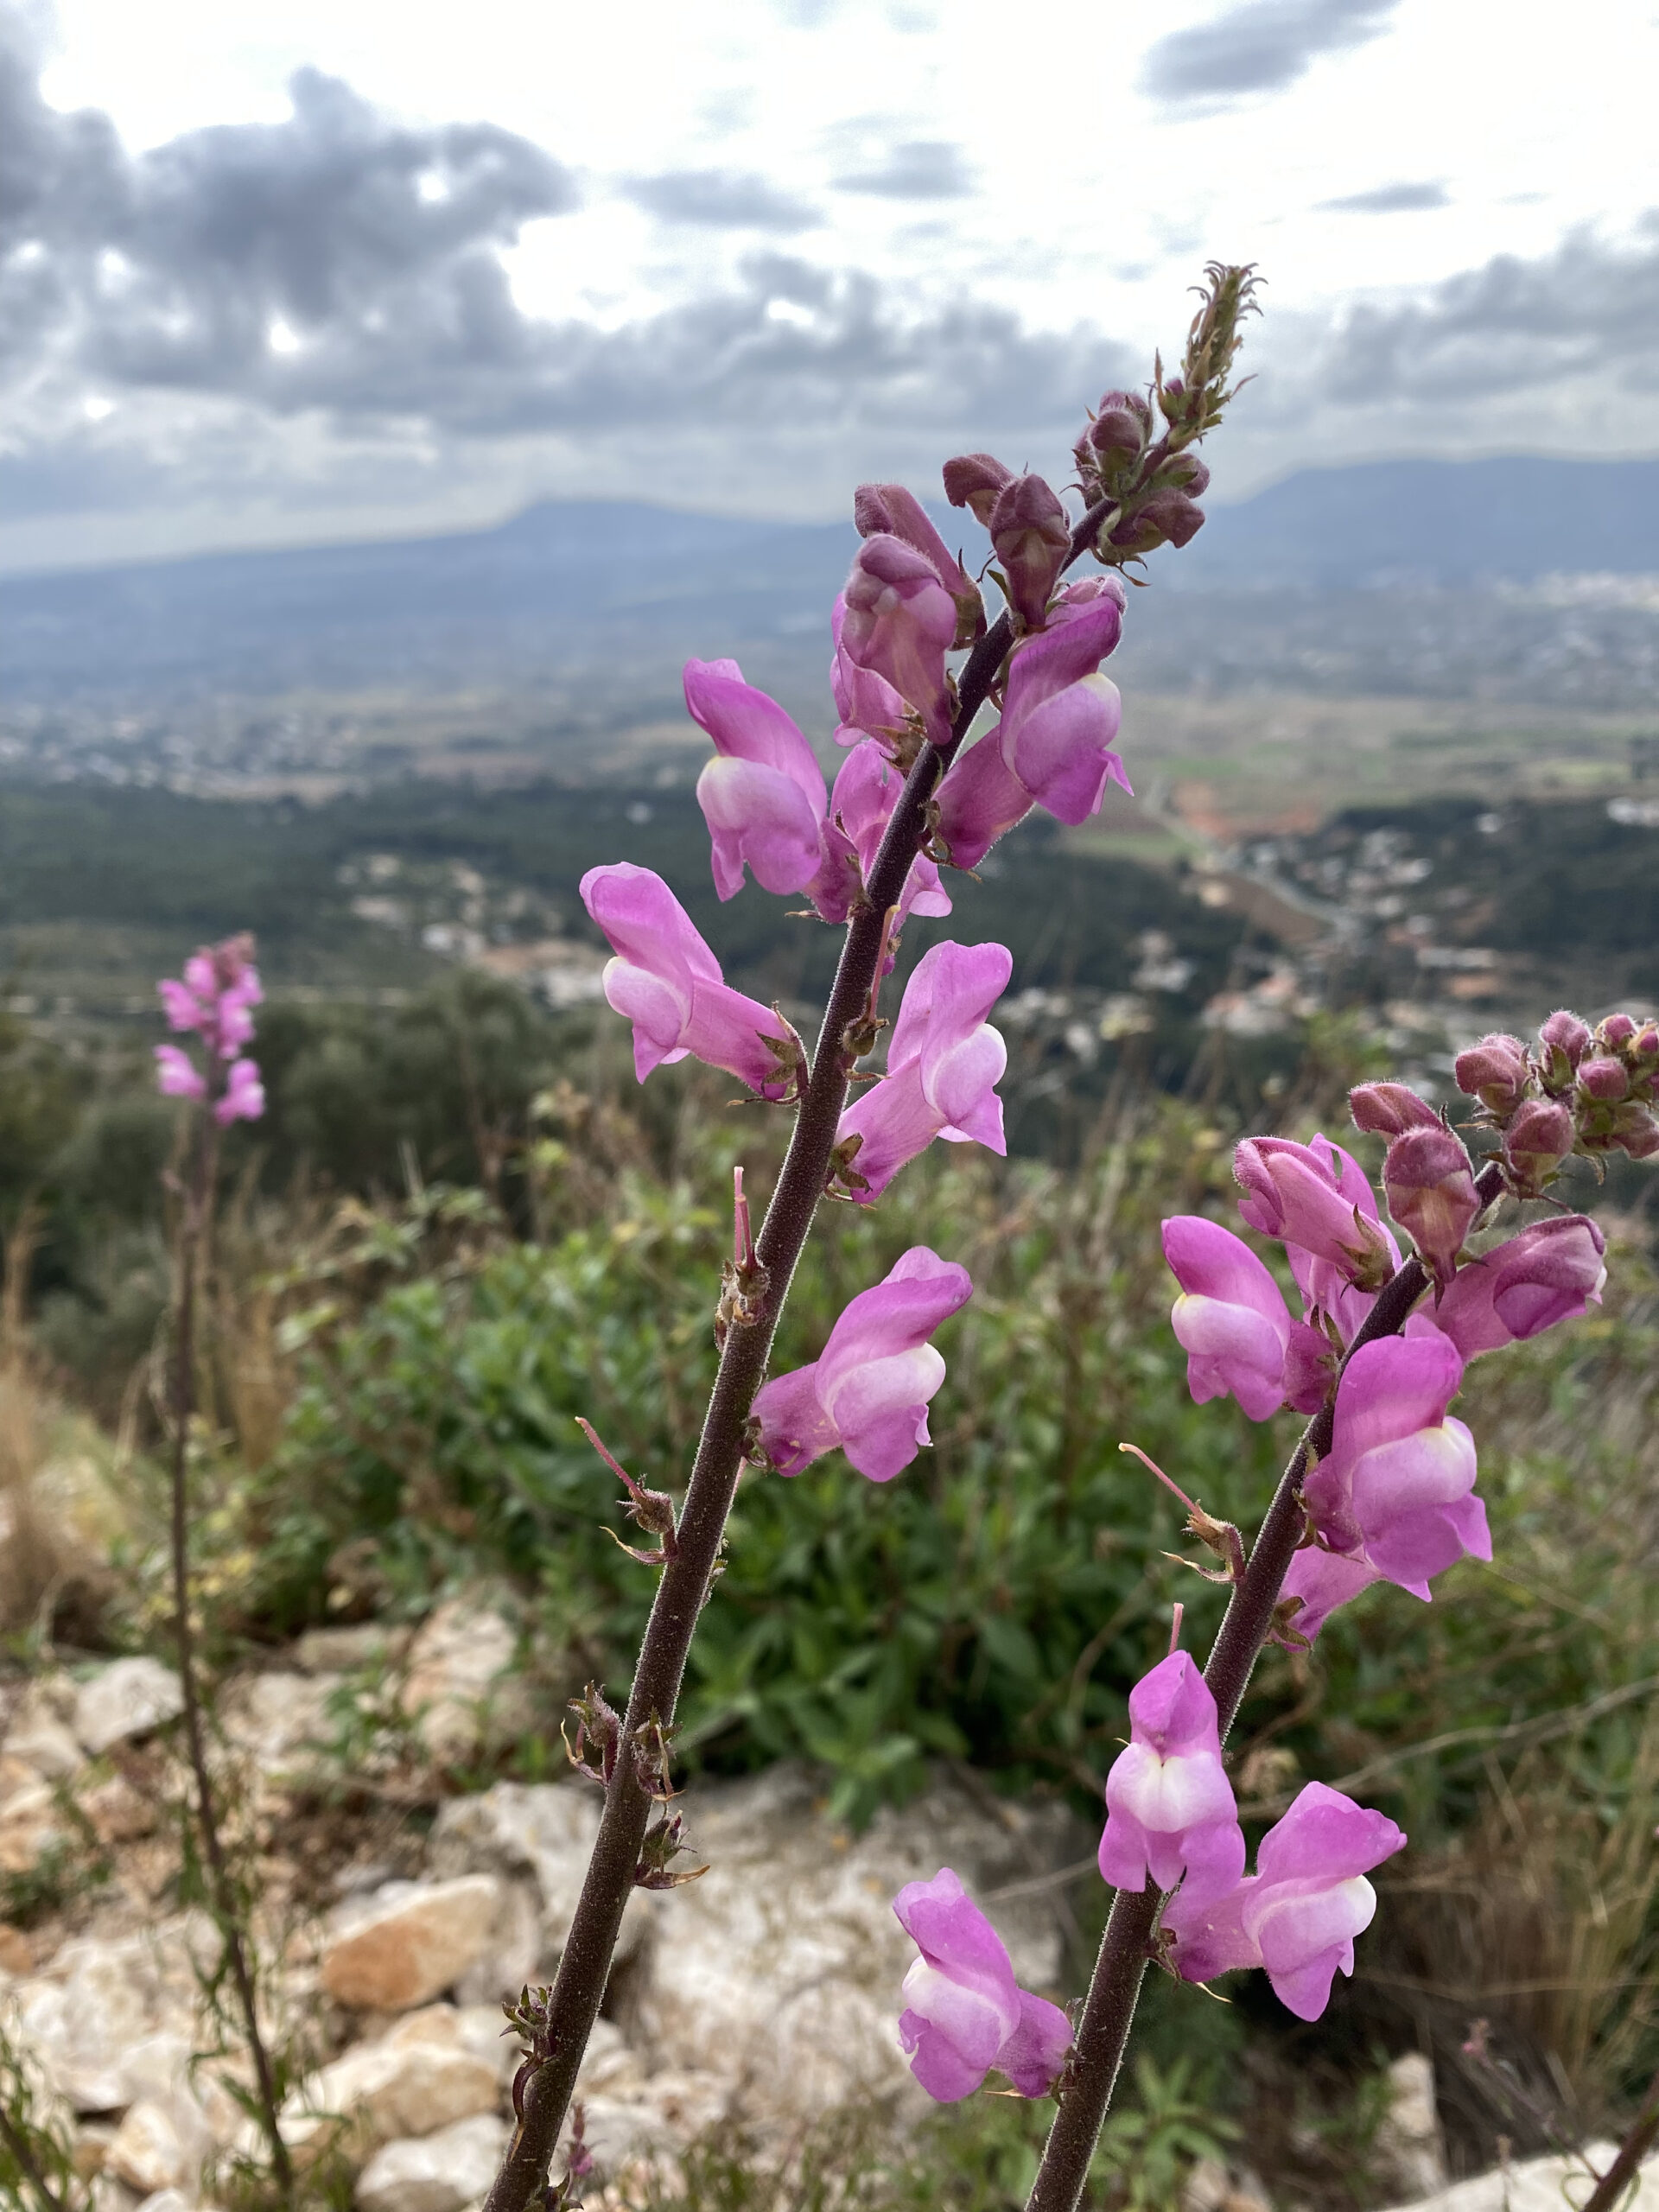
(964, 2013)
(1169, 1805)
(899, 623)
(1317, 1199)
(667, 982)
(1232, 1323)
(1298, 1915)
(869, 1389)
(1394, 1499)
(217, 996)
(944, 1061)
(1053, 745)
(1549, 1272)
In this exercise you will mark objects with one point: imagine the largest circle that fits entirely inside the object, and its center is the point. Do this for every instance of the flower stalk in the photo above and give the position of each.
(1126, 1948)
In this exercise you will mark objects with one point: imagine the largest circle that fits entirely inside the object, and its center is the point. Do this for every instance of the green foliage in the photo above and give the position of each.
(991, 1605)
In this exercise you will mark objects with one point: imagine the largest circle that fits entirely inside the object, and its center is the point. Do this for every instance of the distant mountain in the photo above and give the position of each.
(623, 591)
(1455, 523)
(563, 585)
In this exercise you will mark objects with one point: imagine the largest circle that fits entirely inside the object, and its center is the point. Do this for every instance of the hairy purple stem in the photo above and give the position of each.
(586, 1963)
(1126, 1947)
(1609, 2192)
(197, 1209)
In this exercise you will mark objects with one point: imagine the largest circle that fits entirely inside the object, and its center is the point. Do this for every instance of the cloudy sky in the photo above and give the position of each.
(277, 269)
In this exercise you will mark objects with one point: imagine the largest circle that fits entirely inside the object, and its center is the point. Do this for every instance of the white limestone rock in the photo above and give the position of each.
(127, 1699)
(434, 2173)
(408, 1941)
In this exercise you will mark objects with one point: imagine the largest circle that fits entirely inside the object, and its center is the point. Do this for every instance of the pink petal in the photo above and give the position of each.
(746, 724)
(656, 1010)
(1392, 1389)
(647, 924)
(979, 801)
(756, 814)
(901, 1311)
(1326, 1836)
(962, 1083)
(795, 1429)
(881, 1411)
(1210, 1934)
(1062, 751)
(1035, 2054)
(896, 1122)
(1323, 1580)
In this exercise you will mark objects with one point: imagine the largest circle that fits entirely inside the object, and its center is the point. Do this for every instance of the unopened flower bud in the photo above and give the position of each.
(1389, 1109)
(1536, 1142)
(1565, 1039)
(1615, 1033)
(888, 510)
(1603, 1080)
(973, 480)
(1120, 427)
(1496, 1071)
(1636, 1131)
(1432, 1193)
(1186, 473)
(1167, 517)
(1171, 398)
(1644, 1048)
(1032, 539)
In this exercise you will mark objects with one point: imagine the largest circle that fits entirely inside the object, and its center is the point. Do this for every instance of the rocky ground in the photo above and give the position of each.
(398, 1909)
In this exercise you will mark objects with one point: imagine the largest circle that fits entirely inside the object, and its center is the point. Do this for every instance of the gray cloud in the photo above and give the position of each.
(922, 169)
(313, 317)
(1587, 309)
(342, 266)
(1389, 199)
(1259, 47)
(721, 200)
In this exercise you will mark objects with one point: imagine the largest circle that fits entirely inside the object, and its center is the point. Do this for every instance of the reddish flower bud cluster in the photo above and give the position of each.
(1581, 1091)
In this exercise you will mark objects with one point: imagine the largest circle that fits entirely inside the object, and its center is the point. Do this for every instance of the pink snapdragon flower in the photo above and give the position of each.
(944, 1063)
(868, 1390)
(764, 799)
(1394, 1498)
(667, 982)
(1319, 1200)
(1232, 1322)
(867, 704)
(1549, 1272)
(964, 2013)
(1053, 745)
(891, 509)
(243, 1095)
(1169, 1805)
(1298, 1915)
(763, 794)
(177, 1074)
(899, 623)
(1431, 1192)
